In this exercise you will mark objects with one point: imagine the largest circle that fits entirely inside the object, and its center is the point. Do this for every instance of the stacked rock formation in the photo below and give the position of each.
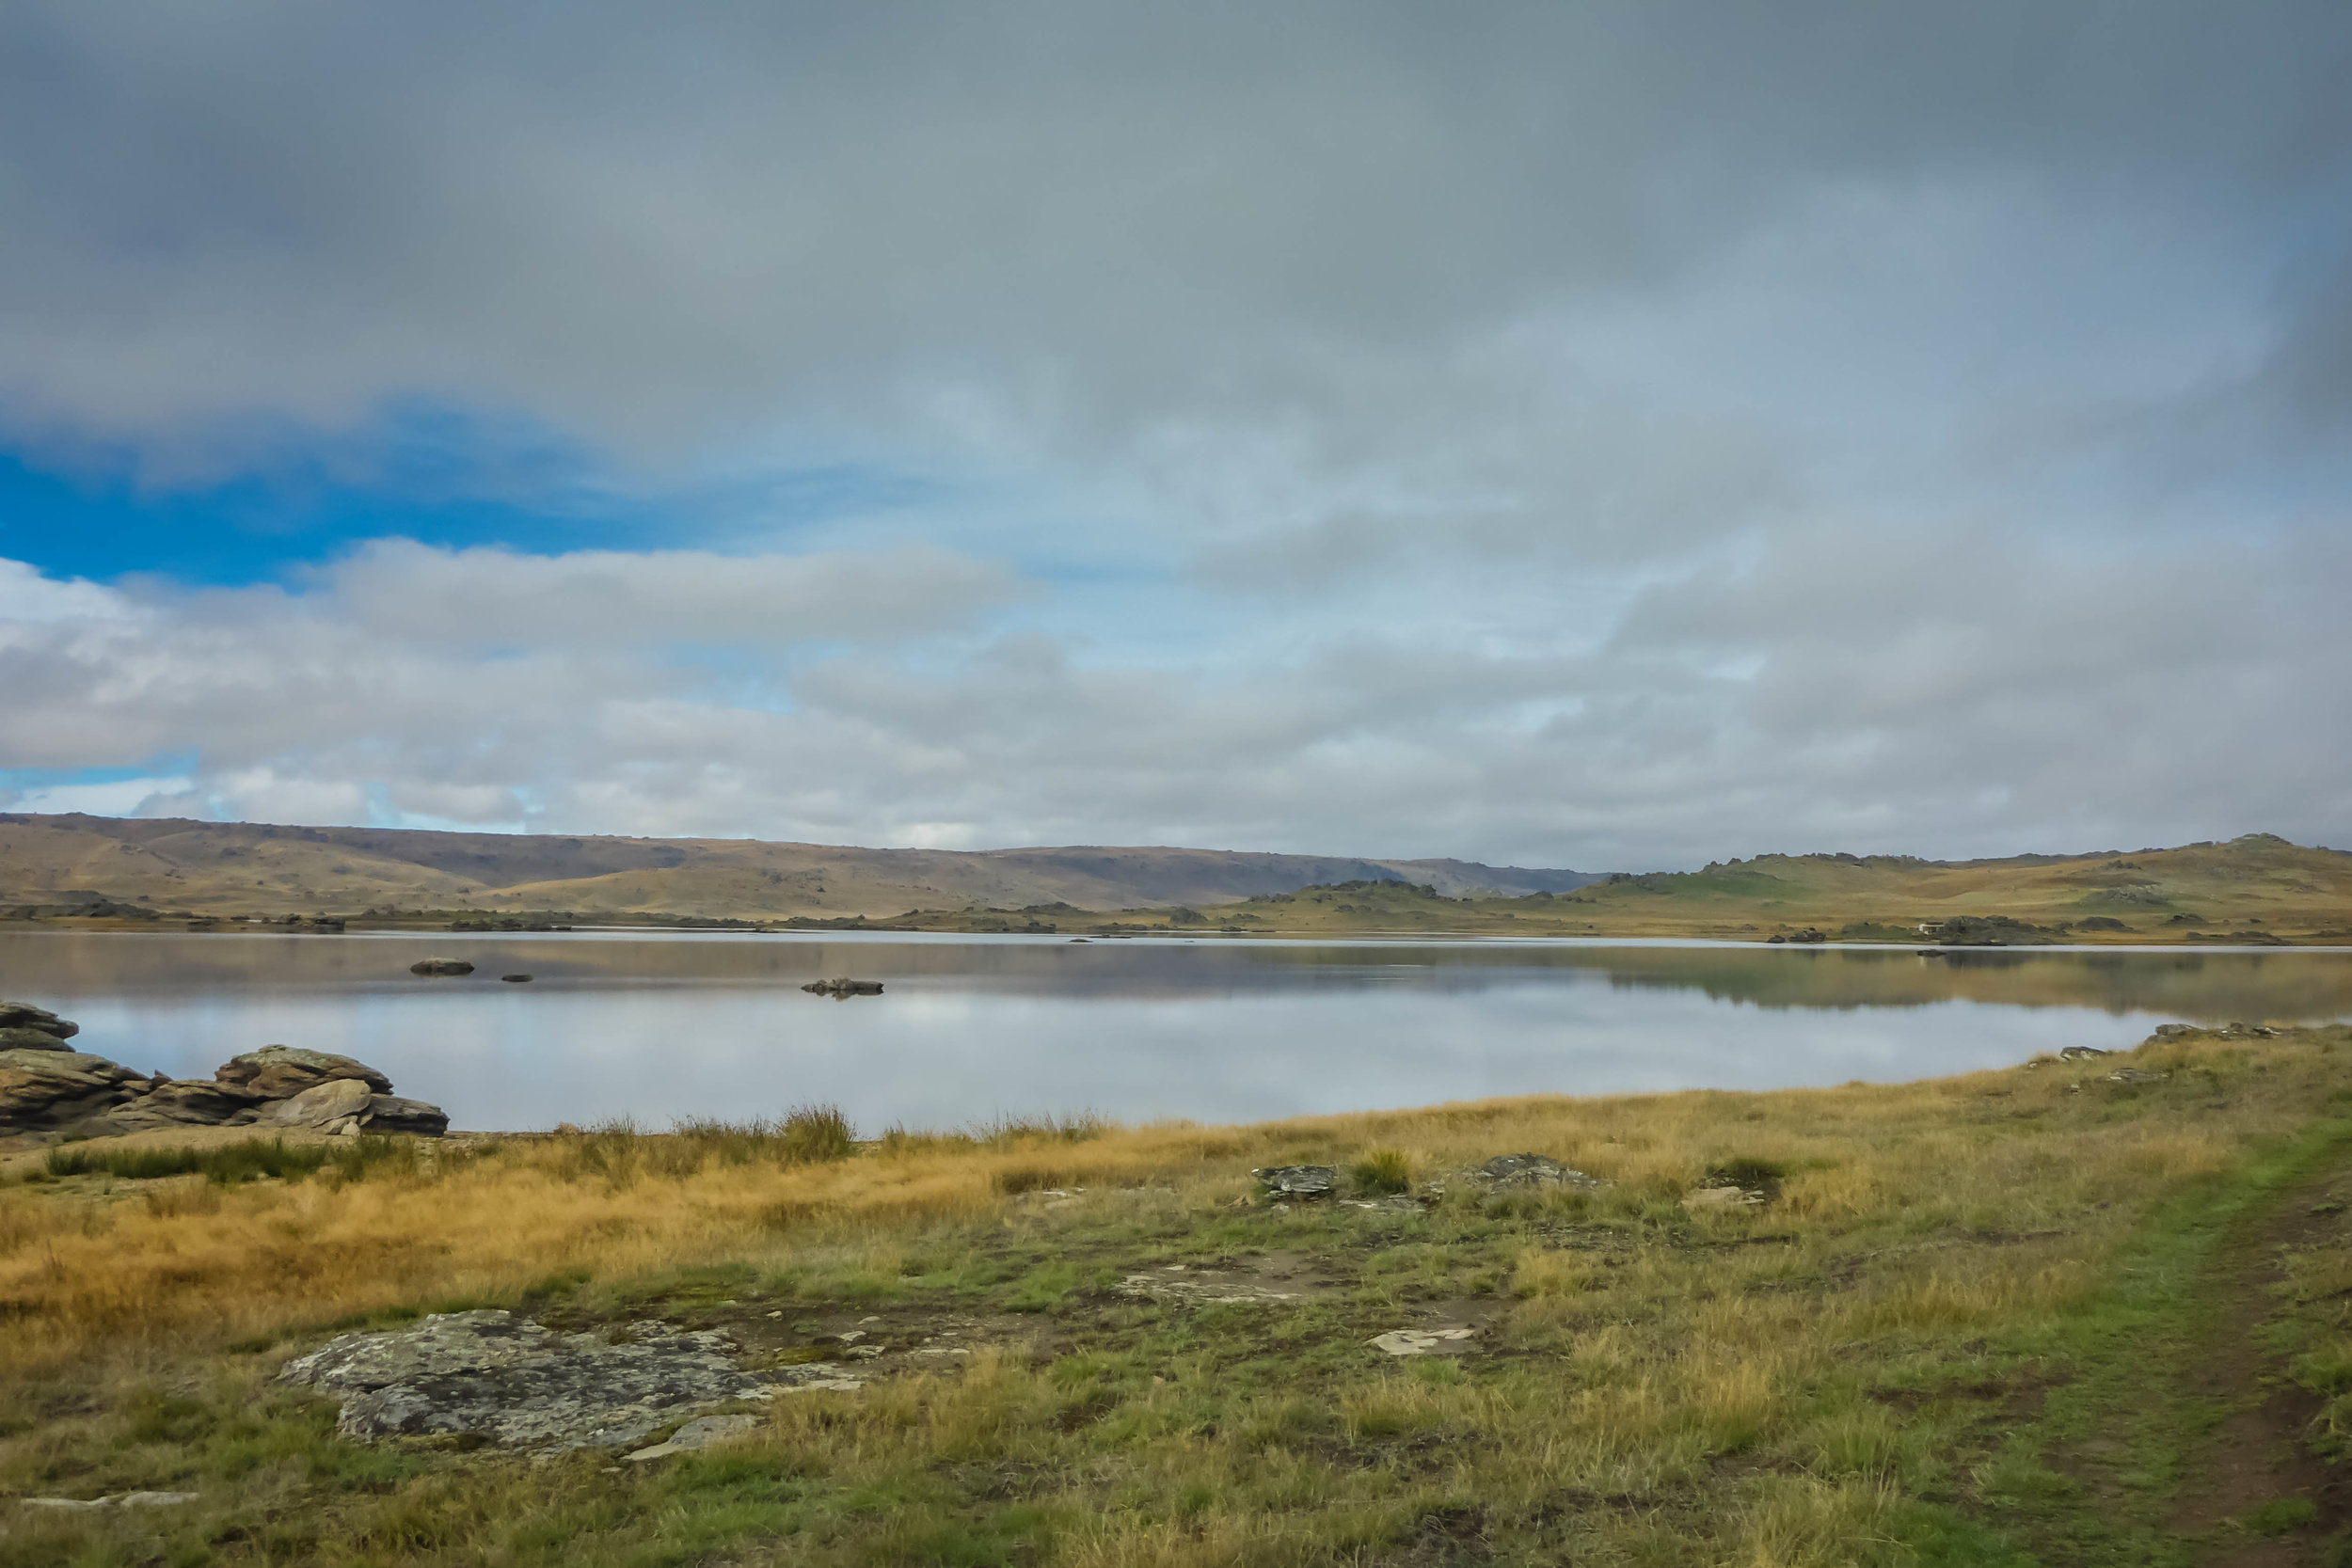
(48, 1086)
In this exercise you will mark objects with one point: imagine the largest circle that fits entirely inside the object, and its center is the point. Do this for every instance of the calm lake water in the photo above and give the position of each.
(661, 1025)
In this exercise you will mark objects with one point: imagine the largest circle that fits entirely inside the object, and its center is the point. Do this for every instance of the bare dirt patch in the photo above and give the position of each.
(2255, 1471)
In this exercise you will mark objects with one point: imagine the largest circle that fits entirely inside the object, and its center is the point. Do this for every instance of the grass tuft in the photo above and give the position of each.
(1382, 1171)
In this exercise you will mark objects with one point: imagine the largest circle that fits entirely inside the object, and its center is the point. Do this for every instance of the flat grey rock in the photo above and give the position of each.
(516, 1384)
(1299, 1181)
(1424, 1341)
(699, 1432)
(1517, 1173)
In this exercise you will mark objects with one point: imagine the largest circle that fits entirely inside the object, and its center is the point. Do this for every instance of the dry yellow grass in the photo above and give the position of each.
(1660, 1385)
(90, 1267)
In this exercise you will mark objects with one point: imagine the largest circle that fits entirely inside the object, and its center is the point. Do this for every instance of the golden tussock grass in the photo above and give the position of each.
(1667, 1382)
(87, 1268)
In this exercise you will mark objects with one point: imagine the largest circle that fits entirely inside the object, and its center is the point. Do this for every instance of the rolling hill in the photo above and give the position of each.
(242, 868)
(2258, 888)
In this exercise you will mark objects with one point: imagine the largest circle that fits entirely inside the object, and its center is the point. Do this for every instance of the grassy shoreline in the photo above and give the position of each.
(1931, 1344)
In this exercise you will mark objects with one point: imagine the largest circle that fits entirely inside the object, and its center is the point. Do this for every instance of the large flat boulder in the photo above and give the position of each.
(321, 1105)
(507, 1380)
(282, 1071)
(20, 1037)
(186, 1103)
(40, 1090)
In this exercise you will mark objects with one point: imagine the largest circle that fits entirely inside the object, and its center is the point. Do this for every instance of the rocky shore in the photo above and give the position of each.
(48, 1088)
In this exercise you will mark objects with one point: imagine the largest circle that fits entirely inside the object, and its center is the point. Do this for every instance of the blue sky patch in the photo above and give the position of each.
(431, 475)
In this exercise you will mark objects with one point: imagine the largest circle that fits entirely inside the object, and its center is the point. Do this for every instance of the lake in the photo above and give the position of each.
(667, 1024)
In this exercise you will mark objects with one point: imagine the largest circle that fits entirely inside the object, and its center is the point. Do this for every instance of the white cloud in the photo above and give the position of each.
(1609, 433)
(1930, 692)
(115, 797)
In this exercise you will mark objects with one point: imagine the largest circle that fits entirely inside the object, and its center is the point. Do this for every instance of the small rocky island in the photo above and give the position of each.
(842, 985)
(47, 1087)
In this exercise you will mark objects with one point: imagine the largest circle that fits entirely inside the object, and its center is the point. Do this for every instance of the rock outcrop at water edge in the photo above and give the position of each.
(47, 1087)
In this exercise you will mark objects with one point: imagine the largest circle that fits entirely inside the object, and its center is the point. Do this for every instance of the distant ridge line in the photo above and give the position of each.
(183, 863)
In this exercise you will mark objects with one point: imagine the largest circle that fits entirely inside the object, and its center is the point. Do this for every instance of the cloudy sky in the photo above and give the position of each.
(1572, 435)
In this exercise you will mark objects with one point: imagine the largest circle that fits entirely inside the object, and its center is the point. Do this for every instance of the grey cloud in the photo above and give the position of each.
(608, 597)
(1913, 379)
(1925, 691)
(1035, 234)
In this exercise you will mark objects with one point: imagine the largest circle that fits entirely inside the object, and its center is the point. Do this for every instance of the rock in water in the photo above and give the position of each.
(515, 979)
(842, 986)
(1299, 1182)
(23, 1015)
(440, 966)
(282, 1071)
(511, 1382)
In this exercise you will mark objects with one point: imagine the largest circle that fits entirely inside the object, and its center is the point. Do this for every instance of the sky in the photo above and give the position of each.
(1599, 435)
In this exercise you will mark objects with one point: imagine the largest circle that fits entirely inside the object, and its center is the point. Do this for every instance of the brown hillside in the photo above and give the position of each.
(234, 867)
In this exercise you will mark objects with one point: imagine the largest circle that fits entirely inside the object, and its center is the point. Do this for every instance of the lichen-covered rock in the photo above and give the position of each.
(40, 1090)
(282, 1071)
(1299, 1182)
(509, 1381)
(1506, 1173)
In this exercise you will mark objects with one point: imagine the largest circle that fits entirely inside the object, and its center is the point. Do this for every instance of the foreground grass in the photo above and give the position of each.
(1936, 1344)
